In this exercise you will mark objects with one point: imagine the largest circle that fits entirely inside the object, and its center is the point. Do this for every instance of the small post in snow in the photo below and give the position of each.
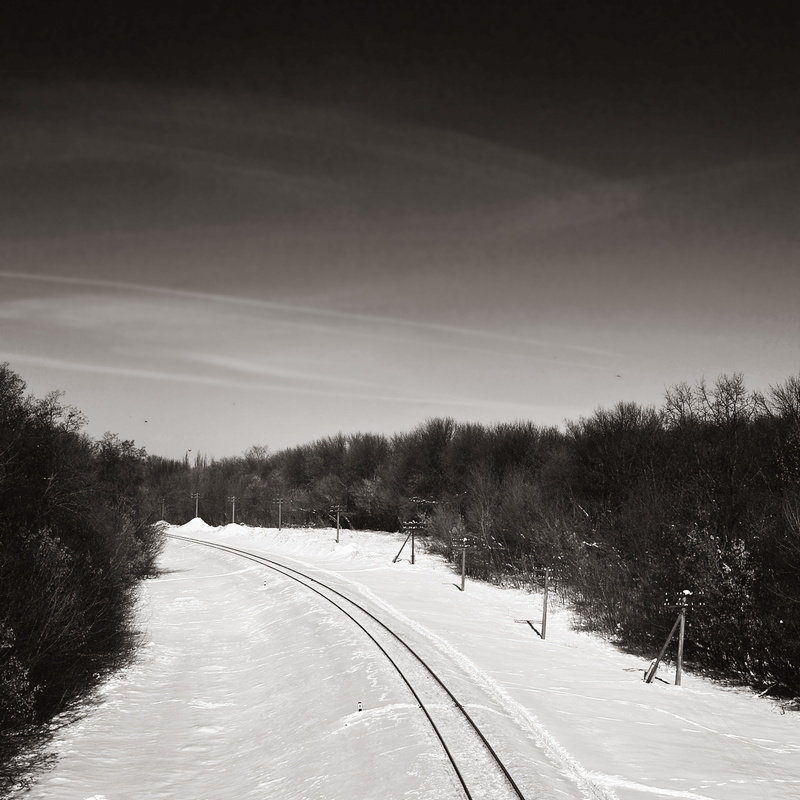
(232, 501)
(196, 497)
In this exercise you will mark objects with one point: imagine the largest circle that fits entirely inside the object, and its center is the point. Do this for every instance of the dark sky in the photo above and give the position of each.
(329, 216)
(618, 86)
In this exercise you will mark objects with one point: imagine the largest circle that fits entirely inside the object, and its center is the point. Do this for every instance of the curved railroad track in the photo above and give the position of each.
(477, 767)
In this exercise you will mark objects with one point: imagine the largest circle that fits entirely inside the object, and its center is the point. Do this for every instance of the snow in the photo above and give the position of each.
(249, 684)
(196, 525)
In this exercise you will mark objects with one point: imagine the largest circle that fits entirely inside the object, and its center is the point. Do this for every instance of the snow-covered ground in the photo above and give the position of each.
(248, 687)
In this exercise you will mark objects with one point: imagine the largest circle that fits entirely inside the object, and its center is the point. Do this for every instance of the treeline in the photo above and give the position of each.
(628, 507)
(75, 538)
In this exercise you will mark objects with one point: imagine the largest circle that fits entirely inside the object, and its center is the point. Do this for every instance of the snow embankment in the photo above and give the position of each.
(247, 688)
(250, 684)
(576, 696)
(196, 525)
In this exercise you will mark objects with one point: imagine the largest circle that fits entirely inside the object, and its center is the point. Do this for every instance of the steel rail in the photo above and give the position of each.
(260, 560)
(284, 570)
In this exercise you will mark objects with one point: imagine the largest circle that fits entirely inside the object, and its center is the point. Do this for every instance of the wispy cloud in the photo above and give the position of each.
(305, 312)
(233, 384)
(265, 370)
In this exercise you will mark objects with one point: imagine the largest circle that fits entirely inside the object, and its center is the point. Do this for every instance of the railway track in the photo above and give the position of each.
(478, 771)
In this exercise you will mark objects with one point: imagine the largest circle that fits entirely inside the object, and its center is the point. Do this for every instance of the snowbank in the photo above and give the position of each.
(196, 525)
(576, 696)
(235, 646)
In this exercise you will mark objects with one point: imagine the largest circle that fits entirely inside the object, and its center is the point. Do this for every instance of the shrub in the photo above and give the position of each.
(74, 540)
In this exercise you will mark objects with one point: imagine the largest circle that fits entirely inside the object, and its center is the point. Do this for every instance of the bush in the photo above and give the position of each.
(73, 543)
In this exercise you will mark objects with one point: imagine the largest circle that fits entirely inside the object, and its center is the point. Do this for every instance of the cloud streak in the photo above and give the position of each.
(301, 310)
(227, 383)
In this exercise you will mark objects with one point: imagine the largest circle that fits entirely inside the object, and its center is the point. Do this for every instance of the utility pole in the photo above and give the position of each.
(544, 602)
(680, 626)
(414, 525)
(410, 527)
(465, 545)
(232, 501)
(338, 510)
(196, 497)
(542, 634)
(683, 601)
(279, 501)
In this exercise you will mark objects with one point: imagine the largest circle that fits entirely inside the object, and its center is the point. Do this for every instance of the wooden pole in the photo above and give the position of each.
(681, 629)
(412, 545)
(544, 603)
(463, 564)
(651, 671)
(401, 548)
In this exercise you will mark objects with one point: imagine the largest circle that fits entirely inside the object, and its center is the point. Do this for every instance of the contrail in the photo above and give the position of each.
(288, 308)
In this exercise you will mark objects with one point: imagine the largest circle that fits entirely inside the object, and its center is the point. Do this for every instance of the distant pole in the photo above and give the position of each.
(463, 563)
(681, 629)
(337, 509)
(410, 526)
(544, 602)
(278, 501)
(232, 500)
(196, 496)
